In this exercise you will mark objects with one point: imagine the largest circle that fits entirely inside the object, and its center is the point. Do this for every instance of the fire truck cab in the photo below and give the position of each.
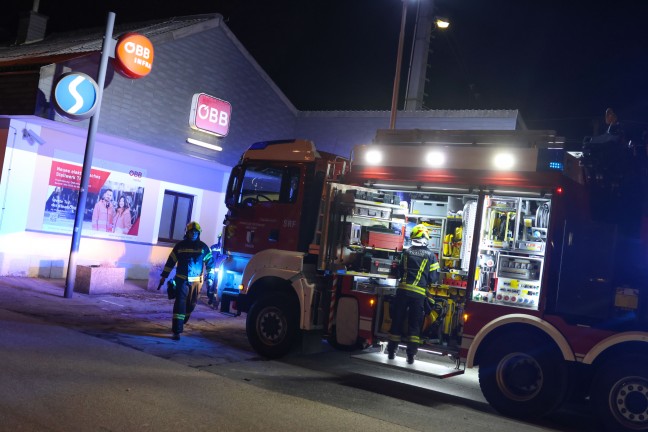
(542, 261)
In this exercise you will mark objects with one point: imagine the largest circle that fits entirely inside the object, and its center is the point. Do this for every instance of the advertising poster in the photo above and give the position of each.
(113, 204)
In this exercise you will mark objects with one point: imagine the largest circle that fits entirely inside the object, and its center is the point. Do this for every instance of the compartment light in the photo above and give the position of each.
(435, 158)
(504, 161)
(373, 157)
(372, 302)
(439, 353)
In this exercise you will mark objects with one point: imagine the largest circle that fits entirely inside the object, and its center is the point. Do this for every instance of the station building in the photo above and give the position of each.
(142, 149)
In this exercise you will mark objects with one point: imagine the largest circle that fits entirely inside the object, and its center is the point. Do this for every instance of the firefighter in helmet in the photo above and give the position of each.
(417, 270)
(190, 255)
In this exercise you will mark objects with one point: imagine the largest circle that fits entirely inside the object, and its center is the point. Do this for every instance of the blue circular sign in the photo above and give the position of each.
(76, 95)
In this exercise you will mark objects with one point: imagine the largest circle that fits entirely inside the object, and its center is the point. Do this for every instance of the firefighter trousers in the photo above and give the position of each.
(407, 306)
(185, 303)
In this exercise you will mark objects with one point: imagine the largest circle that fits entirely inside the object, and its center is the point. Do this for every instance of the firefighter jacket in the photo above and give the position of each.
(190, 257)
(418, 269)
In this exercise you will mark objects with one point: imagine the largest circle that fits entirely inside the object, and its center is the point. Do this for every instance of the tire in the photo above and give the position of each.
(522, 376)
(271, 326)
(620, 394)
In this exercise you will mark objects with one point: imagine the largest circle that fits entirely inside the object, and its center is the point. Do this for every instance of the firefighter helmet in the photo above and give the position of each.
(420, 231)
(193, 226)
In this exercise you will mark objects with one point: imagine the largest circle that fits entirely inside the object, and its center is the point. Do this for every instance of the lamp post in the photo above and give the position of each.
(418, 60)
(399, 63)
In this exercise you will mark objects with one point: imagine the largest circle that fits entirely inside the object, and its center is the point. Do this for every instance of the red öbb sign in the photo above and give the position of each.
(134, 55)
(210, 114)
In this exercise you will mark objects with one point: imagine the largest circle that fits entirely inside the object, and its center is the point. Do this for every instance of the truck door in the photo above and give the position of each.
(264, 202)
(586, 285)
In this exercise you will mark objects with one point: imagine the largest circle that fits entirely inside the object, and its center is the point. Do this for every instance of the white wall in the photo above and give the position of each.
(27, 248)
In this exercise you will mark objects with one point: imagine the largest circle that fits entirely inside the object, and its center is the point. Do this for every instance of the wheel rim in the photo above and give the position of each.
(629, 402)
(271, 326)
(519, 377)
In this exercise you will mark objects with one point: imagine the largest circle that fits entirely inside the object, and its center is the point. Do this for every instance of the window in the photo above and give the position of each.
(176, 214)
(265, 183)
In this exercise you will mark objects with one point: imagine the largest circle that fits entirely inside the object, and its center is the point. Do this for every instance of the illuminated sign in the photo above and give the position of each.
(133, 56)
(76, 96)
(210, 114)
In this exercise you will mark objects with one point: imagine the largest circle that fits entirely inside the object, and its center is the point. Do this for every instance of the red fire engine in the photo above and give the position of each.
(542, 254)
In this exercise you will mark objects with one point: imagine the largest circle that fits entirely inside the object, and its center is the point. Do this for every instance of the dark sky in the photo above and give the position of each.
(561, 63)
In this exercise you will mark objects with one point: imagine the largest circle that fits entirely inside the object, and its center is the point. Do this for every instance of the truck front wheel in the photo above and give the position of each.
(522, 376)
(271, 326)
(620, 394)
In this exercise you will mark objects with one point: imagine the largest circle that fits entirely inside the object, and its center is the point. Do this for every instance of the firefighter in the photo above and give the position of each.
(418, 269)
(191, 255)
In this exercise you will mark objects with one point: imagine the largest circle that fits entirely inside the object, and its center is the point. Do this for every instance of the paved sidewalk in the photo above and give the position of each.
(61, 379)
(134, 317)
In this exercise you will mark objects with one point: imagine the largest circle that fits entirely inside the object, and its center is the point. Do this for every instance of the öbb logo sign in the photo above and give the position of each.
(210, 114)
(134, 55)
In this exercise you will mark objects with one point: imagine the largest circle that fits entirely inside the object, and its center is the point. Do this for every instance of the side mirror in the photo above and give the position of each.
(233, 186)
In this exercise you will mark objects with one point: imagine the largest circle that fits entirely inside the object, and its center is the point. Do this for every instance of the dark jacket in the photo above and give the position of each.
(190, 256)
(418, 269)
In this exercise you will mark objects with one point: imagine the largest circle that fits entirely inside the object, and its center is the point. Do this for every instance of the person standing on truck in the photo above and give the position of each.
(417, 270)
(191, 256)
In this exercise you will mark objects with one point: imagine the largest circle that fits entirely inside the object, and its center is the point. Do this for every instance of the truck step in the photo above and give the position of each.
(419, 367)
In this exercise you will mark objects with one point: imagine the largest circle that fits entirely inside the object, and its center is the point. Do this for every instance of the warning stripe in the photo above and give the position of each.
(332, 304)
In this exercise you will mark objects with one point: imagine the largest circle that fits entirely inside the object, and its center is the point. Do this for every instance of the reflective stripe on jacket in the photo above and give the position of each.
(418, 269)
(190, 257)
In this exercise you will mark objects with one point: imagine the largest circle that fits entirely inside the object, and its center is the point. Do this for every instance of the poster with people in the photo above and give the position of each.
(113, 204)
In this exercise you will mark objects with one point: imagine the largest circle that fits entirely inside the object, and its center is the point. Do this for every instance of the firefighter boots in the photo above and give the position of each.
(391, 349)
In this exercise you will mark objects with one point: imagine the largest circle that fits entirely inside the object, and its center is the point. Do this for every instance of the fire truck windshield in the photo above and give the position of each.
(263, 183)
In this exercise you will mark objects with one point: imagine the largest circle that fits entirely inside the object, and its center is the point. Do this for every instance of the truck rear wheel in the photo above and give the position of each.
(620, 394)
(271, 326)
(521, 376)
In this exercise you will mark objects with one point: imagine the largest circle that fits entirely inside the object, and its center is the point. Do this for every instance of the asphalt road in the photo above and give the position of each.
(214, 347)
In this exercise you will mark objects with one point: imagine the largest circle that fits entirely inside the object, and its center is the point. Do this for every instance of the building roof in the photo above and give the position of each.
(59, 46)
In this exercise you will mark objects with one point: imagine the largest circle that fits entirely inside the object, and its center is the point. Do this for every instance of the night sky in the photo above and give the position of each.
(561, 63)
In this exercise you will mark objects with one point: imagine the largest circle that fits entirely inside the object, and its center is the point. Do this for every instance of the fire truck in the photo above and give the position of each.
(542, 252)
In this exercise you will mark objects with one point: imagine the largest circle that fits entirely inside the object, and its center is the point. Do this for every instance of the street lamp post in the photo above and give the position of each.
(399, 63)
(418, 61)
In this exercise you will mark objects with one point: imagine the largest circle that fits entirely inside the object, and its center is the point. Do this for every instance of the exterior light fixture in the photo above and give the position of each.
(442, 23)
(373, 157)
(503, 161)
(435, 158)
(204, 144)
